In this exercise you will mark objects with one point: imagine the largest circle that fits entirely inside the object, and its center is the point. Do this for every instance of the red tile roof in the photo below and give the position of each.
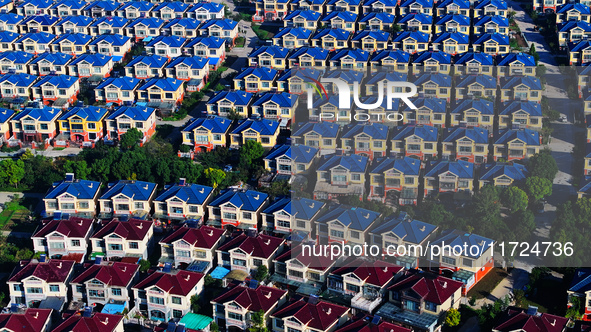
(51, 271)
(133, 229)
(364, 325)
(252, 299)
(97, 323)
(111, 274)
(377, 273)
(261, 246)
(32, 320)
(321, 263)
(430, 287)
(320, 316)
(177, 284)
(73, 227)
(516, 319)
(203, 237)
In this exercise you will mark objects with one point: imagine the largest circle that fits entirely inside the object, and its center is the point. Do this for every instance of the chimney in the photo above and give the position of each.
(553, 322)
(140, 225)
(329, 311)
(210, 233)
(59, 266)
(268, 295)
(385, 269)
(106, 321)
(445, 284)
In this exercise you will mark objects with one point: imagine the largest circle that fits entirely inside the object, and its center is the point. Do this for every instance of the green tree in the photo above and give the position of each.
(514, 199)
(537, 187)
(250, 152)
(453, 317)
(130, 138)
(144, 265)
(396, 28)
(79, 168)
(576, 309)
(258, 322)
(195, 306)
(12, 172)
(215, 176)
(543, 165)
(214, 327)
(262, 272)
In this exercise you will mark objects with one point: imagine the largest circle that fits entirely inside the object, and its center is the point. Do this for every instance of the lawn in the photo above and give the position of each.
(163, 131)
(485, 286)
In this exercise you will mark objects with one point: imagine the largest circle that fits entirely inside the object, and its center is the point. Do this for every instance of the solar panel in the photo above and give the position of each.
(69, 177)
(376, 320)
(253, 284)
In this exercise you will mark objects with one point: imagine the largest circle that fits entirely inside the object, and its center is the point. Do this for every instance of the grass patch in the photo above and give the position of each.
(222, 69)
(240, 41)
(163, 131)
(485, 286)
(58, 149)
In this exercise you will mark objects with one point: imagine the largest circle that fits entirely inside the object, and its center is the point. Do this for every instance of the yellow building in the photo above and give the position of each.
(430, 112)
(478, 86)
(434, 85)
(73, 196)
(83, 124)
(391, 177)
(125, 118)
(390, 60)
(269, 56)
(340, 176)
(525, 114)
(516, 64)
(276, 106)
(491, 43)
(321, 135)
(255, 129)
(162, 89)
(514, 144)
(525, 88)
(473, 112)
(256, 79)
(448, 176)
(71, 43)
(369, 140)
(223, 103)
(418, 142)
(205, 134)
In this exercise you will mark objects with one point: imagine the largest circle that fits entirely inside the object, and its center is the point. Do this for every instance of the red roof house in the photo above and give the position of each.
(517, 319)
(30, 320)
(311, 313)
(99, 322)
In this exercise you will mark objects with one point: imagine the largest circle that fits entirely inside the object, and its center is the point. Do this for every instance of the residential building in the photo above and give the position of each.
(345, 20)
(291, 38)
(260, 130)
(291, 159)
(223, 103)
(475, 86)
(418, 141)
(331, 38)
(170, 10)
(309, 58)
(193, 69)
(33, 320)
(103, 322)
(340, 176)
(35, 125)
(50, 64)
(530, 319)
(367, 323)
(573, 31)
(429, 111)
(73, 24)
(82, 124)
(72, 196)
(133, 238)
(491, 24)
(416, 7)
(168, 46)
(127, 117)
(451, 42)
(206, 134)
(183, 200)
(59, 91)
(524, 114)
(276, 106)
(434, 85)
(297, 313)
(395, 179)
(34, 7)
(579, 289)
(516, 64)
(164, 90)
(390, 60)
(321, 135)
(468, 144)
(587, 160)
(473, 63)
(248, 253)
(238, 208)
(5, 116)
(226, 29)
(579, 53)
(118, 91)
(511, 144)
(349, 225)
(127, 197)
(101, 8)
(15, 62)
(17, 85)
(64, 238)
(71, 43)
(182, 27)
(108, 25)
(453, 23)
(144, 27)
(526, 88)
(431, 62)
(490, 8)
(377, 20)
(32, 42)
(187, 244)
(491, 43)
(415, 22)
(135, 9)
(87, 65)
(113, 45)
(473, 112)
(369, 140)
(303, 270)
(38, 23)
(349, 59)
(445, 176)
(256, 79)
(502, 175)
(146, 66)
(385, 6)
(370, 40)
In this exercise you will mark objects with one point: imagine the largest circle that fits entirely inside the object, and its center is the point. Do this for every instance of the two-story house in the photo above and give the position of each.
(390, 60)
(104, 322)
(491, 24)
(133, 238)
(341, 175)
(248, 253)
(170, 10)
(206, 134)
(260, 130)
(108, 25)
(146, 66)
(167, 90)
(347, 225)
(429, 111)
(74, 24)
(71, 43)
(411, 41)
(64, 238)
(183, 200)
(473, 112)
(516, 64)
(35, 125)
(221, 28)
(302, 268)
(502, 175)
(127, 117)
(187, 244)
(471, 63)
(15, 62)
(87, 65)
(527, 114)
(295, 315)
(510, 144)
(127, 197)
(72, 196)
(82, 124)
(376, 20)
(17, 85)
(468, 144)
(369, 140)
(291, 38)
(445, 176)
(521, 88)
(573, 31)
(256, 79)
(118, 91)
(203, 11)
(224, 103)
(113, 45)
(321, 135)
(291, 159)
(33, 320)
(418, 141)
(237, 208)
(395, 179)
(32, 42)
(59, 91)
(193, 68)
(50, 64)
(168, 46)
(212, 48)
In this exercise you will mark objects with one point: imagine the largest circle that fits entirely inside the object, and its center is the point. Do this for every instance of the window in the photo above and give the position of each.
(156, 300)
(430, 306)
(54, 288)
(133, 245)
(116, 291)
(335, 233)
(257, 262)
(177, 300)
(235, 316)
(79, 289)
(83, 205)
(193, 209)
(34, 290)
(448, 260)
(247, 215)
(75, 243)
(354, 234)
(139, 205)
(177, 313)
(356, 177)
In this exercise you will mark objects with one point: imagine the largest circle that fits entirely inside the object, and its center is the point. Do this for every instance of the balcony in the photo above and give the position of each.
(365, 304)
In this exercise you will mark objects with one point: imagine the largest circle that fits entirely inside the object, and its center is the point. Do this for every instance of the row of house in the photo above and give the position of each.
(41, 320)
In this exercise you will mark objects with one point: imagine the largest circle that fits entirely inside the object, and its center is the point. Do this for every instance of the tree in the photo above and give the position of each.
(79, 168)
(453, 317)
(215, 176)
(214, 327)
(543, 165)
(251, 151)
(537, 187)
(195, 303)
(514, 199)
(130, 138)
(396, 28)
(262, 272)
(258, 322)
(12, 172)
(145, 265)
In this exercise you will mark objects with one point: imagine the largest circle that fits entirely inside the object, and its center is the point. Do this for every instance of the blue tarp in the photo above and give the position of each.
(117, 58)
(219, 272)
(148, 39)
(112, 308)
(214, 61)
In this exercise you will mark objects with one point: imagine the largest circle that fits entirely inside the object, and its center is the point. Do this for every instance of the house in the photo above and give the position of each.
(104, 283)
(572, 12)
(108, 25)
(368, 140)
(17, 85)
(170, 10)
(206, 11)
(394, 179)
(279, 106)
(35, 125)
(10, 22)
(260, 130)
(434, 85)
(305, 19)
(491, 43)
(59, 91)
(301, 215)
(166, 90)
(341, 175)
(473, 64)
(168, 296)
(340, 20)
(168, 46)
(370, 40)
(278, 216)
(269, 56)
(38, 23)
(468, 144)
(418, 141)
(5, 116)
(135, 9)
(320, 135)
(15, 62)
(579, 53)
(402, 231)
(346, 224)
(451, 42)
(132, 238)
(416, 22)
(146, 66)
(429, 297)
(34, 7)
(33, 284)
(432, 62)
(530, 320)
(367, 323)
(579, 289)
(72, 196)
(376, 20)
(502, 175)
(411, 41)
(303, 269)
(127, 117)
(187, 244)
(314, 5)
(527, 114)
(238, 208)
(248, 253)
(295, 79)
(490, 8)
(182, 27)
(270, 10)
(141, 28)
(453, 7)
(212, 48)
(291, 38)
(328, 108)
(291, 159)
(475, 86)
(87, 65)
(372, 85)
(101, 8)
(380, 6)
(444, 176)
(221, 28)
(71, 8)
(353, 6)
(33, 320)
(50, 63)
(224, 103)
(118, 91)
(299, 312)
(309, 58)
(113, 45)
(331, 38)
(585, 188)
(416, 7)
(573, 31)
(255, 79)
(32, 42)
(82, 124)
(349, 58)
(127, 197)
(474, 112)
(516, 64)
(430, 111)
(206, 134)
(8, 42)
(390, 60)
(525, 88)
(64, 238)
(587, 162)
(235, 307)
(183, 200)
(363, 282)
(491, 24)
(453, 23)
(108, 323)
(71, 43)
(511, 144)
